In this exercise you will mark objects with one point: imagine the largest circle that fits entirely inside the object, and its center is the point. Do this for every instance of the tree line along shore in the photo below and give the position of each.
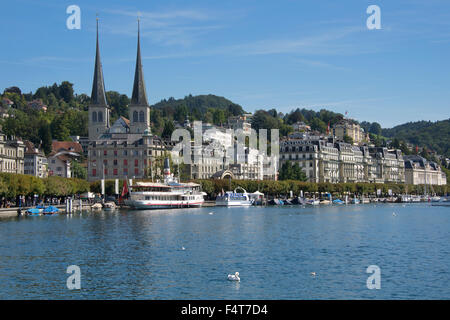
(15, 185)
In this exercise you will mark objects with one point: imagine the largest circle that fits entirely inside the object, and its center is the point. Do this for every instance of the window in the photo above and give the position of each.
(136, 171)
(94, 116)
(105, 152)
(105, 162)
(136, 162)
(141, 116)
(135, 116)
(100, 116)
(125, 171)
(115, 172)
(94, 172)
(115, 162)
(125, 162)
(106, 171)
(115, 153)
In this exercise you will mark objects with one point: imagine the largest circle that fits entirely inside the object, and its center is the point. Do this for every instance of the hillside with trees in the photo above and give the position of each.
(56, 112)
(434, 135)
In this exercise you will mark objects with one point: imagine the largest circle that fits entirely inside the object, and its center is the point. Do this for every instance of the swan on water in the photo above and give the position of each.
(394, 214)
(313, 274)
(211, 213)
(183, 248)
(234, 277)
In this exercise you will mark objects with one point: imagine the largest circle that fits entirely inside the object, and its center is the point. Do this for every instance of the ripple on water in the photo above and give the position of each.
(137, 255)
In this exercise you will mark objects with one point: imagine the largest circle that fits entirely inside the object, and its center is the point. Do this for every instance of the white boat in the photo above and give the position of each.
(234, 198)
(109, 206)
(435, 199)
(168, 195)
(313, 202)
(96, 206)
(415, 198)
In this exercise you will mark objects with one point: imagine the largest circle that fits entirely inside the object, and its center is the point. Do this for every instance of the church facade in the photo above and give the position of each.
(125, 149)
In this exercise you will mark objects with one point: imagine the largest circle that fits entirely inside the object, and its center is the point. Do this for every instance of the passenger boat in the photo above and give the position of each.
(168, 195)
(234, 198)
(355, 201)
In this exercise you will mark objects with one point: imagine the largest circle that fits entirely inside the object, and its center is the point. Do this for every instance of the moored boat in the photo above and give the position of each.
(234, 198)
(168, 195)
(313, 202)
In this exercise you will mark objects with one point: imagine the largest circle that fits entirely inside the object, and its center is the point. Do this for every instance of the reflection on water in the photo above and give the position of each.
(139, 254)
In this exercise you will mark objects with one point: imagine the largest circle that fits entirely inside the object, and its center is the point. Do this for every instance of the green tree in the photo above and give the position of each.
(78, 171)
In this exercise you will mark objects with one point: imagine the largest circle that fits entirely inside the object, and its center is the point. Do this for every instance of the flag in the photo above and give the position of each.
(124, 189)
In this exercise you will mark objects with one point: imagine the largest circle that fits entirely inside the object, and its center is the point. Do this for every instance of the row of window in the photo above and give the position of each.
(116, 172)
(125, 162)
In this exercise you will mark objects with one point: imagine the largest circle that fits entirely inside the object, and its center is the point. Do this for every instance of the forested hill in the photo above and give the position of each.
(434, 135)
(66, 114)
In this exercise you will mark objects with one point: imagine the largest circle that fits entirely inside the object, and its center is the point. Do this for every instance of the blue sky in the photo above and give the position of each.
(259, 54)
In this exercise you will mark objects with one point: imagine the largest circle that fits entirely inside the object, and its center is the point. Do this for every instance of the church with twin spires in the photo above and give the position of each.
(125, 149)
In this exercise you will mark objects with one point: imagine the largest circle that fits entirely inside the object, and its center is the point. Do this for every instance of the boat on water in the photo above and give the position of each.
(109, 206)
(276, 202)
(415, 198)
(97, 206)
(234, 198)
(355, 201)
(312, 202)
(325, 202)
(338, 201)
(435, 199)
(169, 194)
(365, 200)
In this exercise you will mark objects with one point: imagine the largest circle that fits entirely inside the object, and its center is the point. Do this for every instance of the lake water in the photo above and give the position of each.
(138, 254)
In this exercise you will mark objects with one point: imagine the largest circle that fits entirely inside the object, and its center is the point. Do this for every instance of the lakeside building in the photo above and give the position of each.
(35, 161)
(325, 160)
(419, 170)
(126, 149)
(62, 155)
(83, 141)
(347, 127)
(218, 157)
(300, 126)
(12, 154)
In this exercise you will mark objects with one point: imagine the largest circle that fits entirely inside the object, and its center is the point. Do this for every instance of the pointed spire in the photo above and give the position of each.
(139, 96)
(98, 86)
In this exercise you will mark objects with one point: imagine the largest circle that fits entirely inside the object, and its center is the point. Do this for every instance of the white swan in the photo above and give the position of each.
(183, 248)
(313, 274)
(394, 214)
(234, 277)
(211, 213)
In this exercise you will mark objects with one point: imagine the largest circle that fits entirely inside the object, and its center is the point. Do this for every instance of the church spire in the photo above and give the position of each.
(139, 96)
(98, 86)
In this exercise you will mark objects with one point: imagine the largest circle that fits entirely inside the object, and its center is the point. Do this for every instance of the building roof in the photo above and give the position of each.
(58, 146)
(30, 149)
(139, 96)
(98, 96)
(127, 122)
